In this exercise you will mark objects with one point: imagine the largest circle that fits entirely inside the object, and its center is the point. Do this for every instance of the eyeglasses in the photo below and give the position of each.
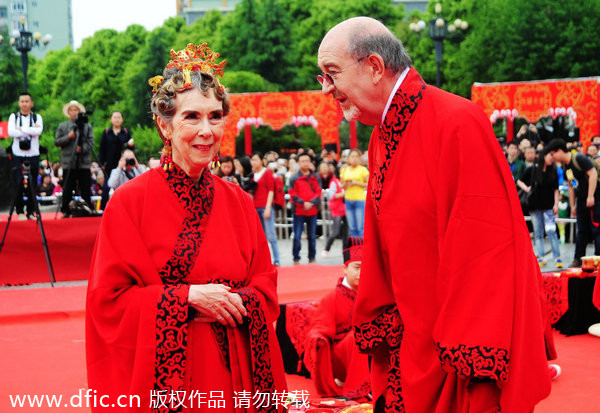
(331, 76)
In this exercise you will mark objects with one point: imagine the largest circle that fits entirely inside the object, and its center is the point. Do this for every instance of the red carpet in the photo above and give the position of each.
(70, 243)
(43, 352)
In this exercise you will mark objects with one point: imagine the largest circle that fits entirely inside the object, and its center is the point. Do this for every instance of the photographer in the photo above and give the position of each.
(127, 169)
(25, 127)
(75, 137)
(112, 143)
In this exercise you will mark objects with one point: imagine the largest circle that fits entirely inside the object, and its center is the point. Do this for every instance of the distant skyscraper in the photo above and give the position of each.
(45, 16)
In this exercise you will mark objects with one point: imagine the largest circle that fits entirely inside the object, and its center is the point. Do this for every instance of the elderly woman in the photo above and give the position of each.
(182, 293)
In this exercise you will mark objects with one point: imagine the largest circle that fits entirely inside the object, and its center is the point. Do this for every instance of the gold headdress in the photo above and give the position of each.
(192, 58)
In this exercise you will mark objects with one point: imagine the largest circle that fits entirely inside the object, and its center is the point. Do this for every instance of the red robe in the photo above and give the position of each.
(331, 350)
(449, 301)
(159, 234)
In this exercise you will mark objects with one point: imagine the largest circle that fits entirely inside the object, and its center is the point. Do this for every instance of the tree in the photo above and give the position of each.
(255, 37)
(325, 15)
(11, 80)
(147, 62)
(242, 81)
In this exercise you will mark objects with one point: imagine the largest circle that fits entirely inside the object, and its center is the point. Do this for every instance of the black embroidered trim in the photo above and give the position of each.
(262, 375)
(399, 114)
(171, 337)
(475, 361)
(172, 314)
(388, 327)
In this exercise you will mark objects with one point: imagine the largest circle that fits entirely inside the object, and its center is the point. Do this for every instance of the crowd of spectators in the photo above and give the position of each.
(553, 178)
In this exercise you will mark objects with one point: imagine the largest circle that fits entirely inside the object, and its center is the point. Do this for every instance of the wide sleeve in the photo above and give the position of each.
(374, 294)
(124, 298)
(490, 323)
(262, 274)
(319, 343)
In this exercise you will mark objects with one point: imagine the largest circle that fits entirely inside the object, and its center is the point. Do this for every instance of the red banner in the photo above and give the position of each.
(535, 99)
(3, 129)
(277, 110)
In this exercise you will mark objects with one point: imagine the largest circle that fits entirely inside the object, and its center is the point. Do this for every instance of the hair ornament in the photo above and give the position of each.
(155, 82)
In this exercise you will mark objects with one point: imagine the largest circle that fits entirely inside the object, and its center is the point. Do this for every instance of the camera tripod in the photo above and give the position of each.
(27, 181)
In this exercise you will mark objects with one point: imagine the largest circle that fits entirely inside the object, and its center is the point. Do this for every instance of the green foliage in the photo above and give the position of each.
(147, 142)
(271, 45)
(266, 139)
(242, 81)
(11, 78)
(255, 37)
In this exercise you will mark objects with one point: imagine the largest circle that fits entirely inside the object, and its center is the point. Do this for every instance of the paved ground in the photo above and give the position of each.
(335, 255)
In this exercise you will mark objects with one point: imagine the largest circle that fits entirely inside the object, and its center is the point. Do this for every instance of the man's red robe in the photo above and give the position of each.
(331, 351)
(449, 301)
(159, 234)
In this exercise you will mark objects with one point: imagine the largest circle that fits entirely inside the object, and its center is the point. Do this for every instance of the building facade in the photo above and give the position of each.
(45, 16)
(191, 10)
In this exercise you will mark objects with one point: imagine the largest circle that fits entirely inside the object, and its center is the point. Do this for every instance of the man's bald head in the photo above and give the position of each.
(363, 36)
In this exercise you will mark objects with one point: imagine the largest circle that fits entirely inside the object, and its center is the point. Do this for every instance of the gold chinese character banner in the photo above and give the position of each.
(279, 109)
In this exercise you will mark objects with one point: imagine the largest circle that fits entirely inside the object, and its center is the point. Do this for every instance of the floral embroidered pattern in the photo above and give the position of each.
(388, 327)
(475, 361)
(399, 114)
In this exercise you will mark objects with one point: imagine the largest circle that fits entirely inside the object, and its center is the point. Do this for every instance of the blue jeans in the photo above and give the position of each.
(269, 228)
(355, 215)
(311, 223)
(544, 220)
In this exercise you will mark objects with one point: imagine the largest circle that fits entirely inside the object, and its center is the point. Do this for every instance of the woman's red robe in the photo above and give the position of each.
(449, 302)
(159, 234)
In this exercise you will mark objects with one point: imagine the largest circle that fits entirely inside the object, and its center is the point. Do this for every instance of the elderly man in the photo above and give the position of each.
(449, 302)
(75, 137)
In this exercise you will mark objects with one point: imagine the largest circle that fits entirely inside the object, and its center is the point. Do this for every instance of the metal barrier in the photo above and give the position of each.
(569, 221)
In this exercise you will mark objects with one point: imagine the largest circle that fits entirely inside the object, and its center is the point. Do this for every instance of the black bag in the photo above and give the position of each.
(25, 144)
(79, 208)
(530, 198)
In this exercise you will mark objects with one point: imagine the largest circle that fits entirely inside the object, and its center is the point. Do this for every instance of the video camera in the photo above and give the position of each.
(83, 118)
(130, 162)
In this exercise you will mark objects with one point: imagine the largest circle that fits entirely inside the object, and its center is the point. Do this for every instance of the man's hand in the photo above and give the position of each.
(72, 135)
(122, 162)
(267, 213)
(307, 206)
(589, 202)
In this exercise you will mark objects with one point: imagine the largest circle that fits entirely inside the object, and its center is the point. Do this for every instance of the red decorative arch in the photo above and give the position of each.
(277, 110)
(538, 98)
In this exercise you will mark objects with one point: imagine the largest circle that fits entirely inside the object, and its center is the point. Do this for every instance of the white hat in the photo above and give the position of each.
(72, 103)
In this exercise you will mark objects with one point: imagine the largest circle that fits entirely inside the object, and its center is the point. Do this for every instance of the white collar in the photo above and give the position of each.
(394, 90)
(345, 283)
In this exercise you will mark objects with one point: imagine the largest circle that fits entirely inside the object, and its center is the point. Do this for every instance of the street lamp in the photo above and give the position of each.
(23, 41)
(439, 29)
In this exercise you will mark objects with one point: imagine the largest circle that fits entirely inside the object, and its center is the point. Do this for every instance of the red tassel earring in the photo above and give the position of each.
(167, 160)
